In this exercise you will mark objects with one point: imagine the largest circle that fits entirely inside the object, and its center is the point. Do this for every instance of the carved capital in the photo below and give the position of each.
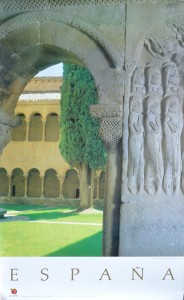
(110, 125)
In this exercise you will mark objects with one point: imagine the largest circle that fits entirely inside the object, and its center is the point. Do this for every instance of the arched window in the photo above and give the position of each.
(36, 128)
(19, 132)
(52, 128)
(17, 183)
(71, 184)
(102, 185)
(4, 183)
(51, 184)
(34, 183)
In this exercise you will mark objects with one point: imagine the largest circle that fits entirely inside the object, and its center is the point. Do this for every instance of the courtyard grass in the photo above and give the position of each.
(50, 238)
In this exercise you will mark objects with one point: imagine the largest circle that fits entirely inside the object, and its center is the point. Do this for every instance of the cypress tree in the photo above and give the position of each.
(80, 145)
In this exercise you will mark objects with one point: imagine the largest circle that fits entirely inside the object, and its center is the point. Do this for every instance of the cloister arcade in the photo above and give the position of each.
(33, 184)
(36, 128)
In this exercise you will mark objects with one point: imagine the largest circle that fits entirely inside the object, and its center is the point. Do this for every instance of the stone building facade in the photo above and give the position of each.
(32, 169)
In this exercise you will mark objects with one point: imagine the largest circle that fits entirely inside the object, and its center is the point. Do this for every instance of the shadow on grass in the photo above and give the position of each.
(20, 207)
(90, 246)
(48, 215)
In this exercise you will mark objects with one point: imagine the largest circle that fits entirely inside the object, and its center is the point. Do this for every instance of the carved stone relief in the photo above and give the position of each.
(138, 81)
(173, 125)
(155, 125)
(153, 151)
(136, 141)
(171, 78)
(154, 80)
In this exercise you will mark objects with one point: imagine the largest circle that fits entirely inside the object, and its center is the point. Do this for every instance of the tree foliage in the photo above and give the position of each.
(80, 140)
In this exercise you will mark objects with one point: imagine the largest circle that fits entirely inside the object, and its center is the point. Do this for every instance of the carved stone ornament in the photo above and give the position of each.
(171, 78)
(18, 5)
(110, 125)
(173, 125)
(166, 38)
(154, 79)
(136, 145)
(138, 81)
(7, 122)
(152, 145)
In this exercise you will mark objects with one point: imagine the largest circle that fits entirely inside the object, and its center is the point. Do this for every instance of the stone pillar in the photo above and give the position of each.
(9, 185)
(61, 181)
(42, 186)
(26, 185)
(111, 132)
(27, 129)
(44, 127)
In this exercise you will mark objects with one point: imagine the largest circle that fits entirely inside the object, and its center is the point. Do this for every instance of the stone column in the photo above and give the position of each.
(61, 181)
(44, 125)
(42, 186)
(111, 132)
(26, 186)
(27, 129)
(9, 185)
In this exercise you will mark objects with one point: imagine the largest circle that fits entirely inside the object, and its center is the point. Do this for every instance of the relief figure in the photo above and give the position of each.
(171, 77)
(135, 143)
(152, 147)
(138, 81)
(154, 79)
(173, 125)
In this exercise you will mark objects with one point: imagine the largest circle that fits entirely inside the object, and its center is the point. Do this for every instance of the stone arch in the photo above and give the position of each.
(51, 184)
(28, 45)
(52, 128)
(19, 133)
(71, 184)
(34, 183)
(36, 127)
(17, 183)
(4, 180)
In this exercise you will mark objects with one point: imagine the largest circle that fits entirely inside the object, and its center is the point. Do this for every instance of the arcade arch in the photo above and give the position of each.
(19, 133)
(52, 128)
(17, 183)
(71, 184)
(51, 184)
(4, 186)
(34, 188)
(36, 128)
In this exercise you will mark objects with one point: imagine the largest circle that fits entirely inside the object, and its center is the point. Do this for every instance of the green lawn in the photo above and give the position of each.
(48, 238)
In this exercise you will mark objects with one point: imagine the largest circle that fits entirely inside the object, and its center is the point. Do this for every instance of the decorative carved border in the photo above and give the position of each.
(105, 110)
(19, 5)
